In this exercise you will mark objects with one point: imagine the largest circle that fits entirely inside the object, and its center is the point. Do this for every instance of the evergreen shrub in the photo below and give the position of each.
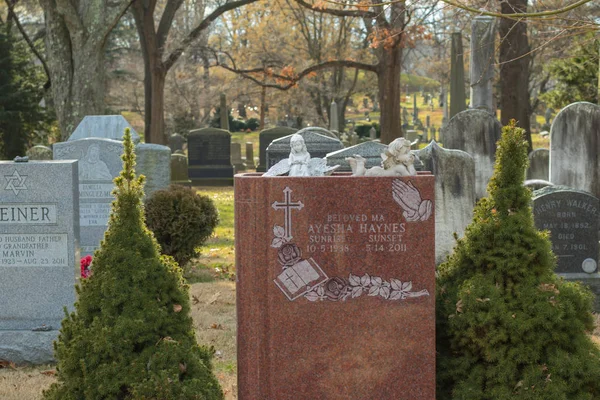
(507, 326)
(181, 220)
(131, 334)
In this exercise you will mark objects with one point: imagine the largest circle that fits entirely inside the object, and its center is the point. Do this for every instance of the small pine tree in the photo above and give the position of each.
(507, 326)
(131, 334)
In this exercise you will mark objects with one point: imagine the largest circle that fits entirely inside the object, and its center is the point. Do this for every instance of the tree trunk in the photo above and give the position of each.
(514, 67)
(76, 71)
(263, 101)
(388, 80)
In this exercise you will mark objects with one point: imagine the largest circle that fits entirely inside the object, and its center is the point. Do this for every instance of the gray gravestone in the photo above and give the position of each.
(372, 133)
(535, 184)
(176, 142)
(236, 157)
(103, 126)
(476, 132)
(153, 161)
(224, 112)
(370, 150)
(457, 76)
(412, 135)
(249, 161)
(334, 124)
(99, 163)
(575, 147)
(317, 145)
(571, 216)
(39, 152)
(209, 157)
(454, 172)
(483, 35)
(38, 247)
(539, 165)
(265, 138)
(179, 170)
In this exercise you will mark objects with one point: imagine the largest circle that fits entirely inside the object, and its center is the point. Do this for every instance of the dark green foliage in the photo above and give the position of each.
(181, 220)
(252, 124)
(21, 90)
(363, 130)
(576, 76)
(131, 334)
(507, 326)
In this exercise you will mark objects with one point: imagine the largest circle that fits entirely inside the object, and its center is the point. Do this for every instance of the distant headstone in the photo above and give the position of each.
(265, 138)
(548, 115)
(249, 161)
(317, 145)
(476, 132)
(483, 35)
(39, 152)
(539, 164)
(39, 232)
(571, 216)
(412, 135)
(176, 142)
(209, 157)
(415, 109)
(224, 112)
(103, 126)
(405, 117)
(454, 194)
(236, 158)
(457, 76)
(99, 163)
(370, 150)
(334, 124)
(535, 184)
(153, 161)
(372, 133)
(179, 170)
(575, 147)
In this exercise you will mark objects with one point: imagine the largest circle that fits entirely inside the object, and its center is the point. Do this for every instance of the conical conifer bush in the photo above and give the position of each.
(507, 326)
(131, 334)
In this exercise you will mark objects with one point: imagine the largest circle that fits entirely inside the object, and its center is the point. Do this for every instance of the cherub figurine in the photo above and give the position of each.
(397, 160)
(299, 162)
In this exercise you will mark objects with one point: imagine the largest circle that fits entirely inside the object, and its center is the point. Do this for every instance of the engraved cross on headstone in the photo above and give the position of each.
(287, 206)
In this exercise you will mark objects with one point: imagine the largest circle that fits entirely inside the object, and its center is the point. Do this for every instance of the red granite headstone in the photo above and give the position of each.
(336, 284)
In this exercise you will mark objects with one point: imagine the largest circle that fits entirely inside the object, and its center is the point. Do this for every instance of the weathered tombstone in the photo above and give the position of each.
(457, 76)
(153, 161)
(539, 164)
(38, 241)
(317, 145)
(224, 112)
(372, 133)
(236, 158)
(176, 142)
(412, 135)
(39, 152)
(575, 147)
(265, 138)
(454, 172)
(249, 162)
(209, 157)
(334, 124)
(571, 216)
(342, 306)
(370, 150)
(483, 34)
(179, 170)
(548, 115)
(354, 139)
(103, 126)
(535, 184)
(476, 132)
(405, 117)
(99, 163)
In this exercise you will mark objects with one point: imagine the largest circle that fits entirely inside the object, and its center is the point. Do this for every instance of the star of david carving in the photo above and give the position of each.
(16, 182)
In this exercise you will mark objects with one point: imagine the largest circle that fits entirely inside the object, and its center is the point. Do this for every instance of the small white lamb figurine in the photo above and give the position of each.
(397, 161)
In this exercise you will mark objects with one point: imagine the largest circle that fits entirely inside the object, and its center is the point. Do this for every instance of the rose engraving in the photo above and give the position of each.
(289, 254)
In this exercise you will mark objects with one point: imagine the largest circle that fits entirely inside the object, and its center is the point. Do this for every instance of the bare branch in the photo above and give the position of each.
(29, 42)
(197, 31)
(166, 21)
(340, 13)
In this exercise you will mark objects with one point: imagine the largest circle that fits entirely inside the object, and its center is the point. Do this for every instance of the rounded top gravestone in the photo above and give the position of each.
(265, 138)
(39, 152)
(575, 147)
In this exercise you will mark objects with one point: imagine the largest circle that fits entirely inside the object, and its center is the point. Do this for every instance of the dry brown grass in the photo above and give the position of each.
(213, 312)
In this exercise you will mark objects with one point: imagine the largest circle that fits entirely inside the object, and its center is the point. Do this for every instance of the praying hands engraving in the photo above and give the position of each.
(408, 197)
